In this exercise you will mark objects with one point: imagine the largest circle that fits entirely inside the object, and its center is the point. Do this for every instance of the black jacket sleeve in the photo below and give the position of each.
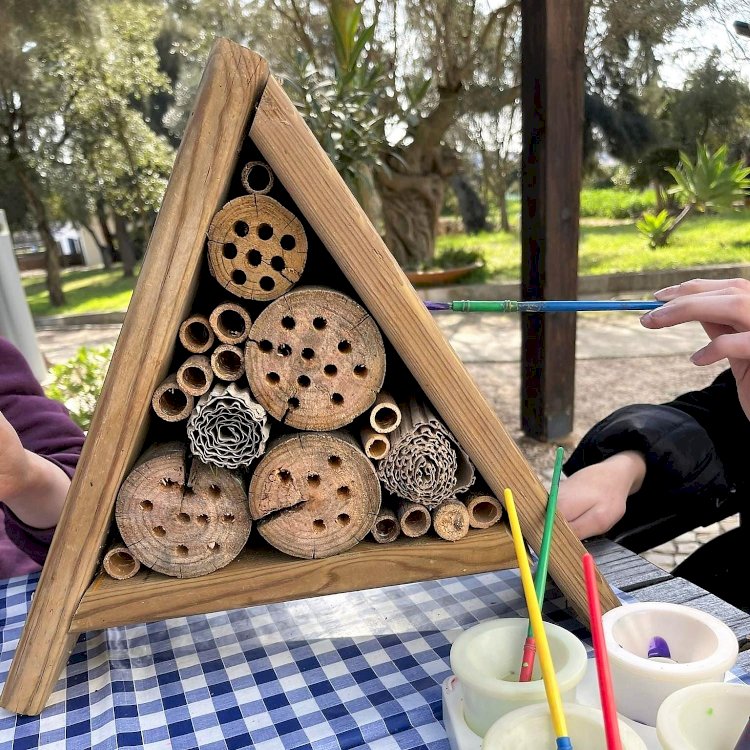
(694, 446)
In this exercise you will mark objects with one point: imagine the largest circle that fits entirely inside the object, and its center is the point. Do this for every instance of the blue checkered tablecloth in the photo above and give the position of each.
(358, 670)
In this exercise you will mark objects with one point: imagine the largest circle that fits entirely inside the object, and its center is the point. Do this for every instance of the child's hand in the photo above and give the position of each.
(593, 499)
(722, 307)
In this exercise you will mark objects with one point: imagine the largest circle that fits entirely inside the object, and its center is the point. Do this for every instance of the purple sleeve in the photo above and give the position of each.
(44, 427)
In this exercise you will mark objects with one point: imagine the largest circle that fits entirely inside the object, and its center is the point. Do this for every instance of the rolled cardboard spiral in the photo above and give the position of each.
(256, 248)
(178, 523)
(196, 334)
(315, 359)
(314, 495)
(170, 402)
(227, 428)
(195, 375)
(425, 464)
(230, 322)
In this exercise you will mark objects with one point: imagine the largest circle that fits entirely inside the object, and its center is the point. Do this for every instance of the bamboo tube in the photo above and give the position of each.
(451, 520)
(178, 524)
(170, 402)
(119, 562)
(375, 444)
(230, 322)
(385, 415)
(314, 494)
(484, 510)
(386, 527)
(413, 518)
(227, 428)
(196, 334)
(425, 464)
(227, 362)
(315, 359)
(195, 375)
(257, 178)
(256, 248)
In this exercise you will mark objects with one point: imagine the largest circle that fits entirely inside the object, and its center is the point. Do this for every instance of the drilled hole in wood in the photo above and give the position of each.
(147, 505)
(229, 251)
(273, 377)
(159, 531)
(342, 519)
(239, 277)
(319, 525)
(183, 517)
(330, 370)
(287, 242)
(265, 231)
(288, 322)
(343, 492)
(266, 283)
(485, 512)
(181, 550)
(231, 323)
(360, 371)
(214, 490)
(303, 381)
(319, 323)
(228, 518)
(334, 461)
(198, 334)
(202, 519)
(278, 264)
(337, 398)
(313, 480)
(284, 350)
(254, 257)
(293, 402)
(228, 361)
(265, 346)
(194, 377)
(172, 401)
(285, 476)
(385, 527)
(308, 353)
(241, 228)
(344, 347)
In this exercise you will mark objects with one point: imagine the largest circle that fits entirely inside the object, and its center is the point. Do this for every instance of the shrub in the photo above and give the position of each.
(616, 204)
(656, 227)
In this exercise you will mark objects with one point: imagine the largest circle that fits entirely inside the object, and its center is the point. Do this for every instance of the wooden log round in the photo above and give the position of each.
(196, 334)
(385, 415)
(314, 494)
(231, 323)
(256, 248)
(484, 510)
(257, 177)
(195, 375)
(386, 527)
(227, 428)
(228, 362)
(170, 402)
(119, 562)
(413, 518)
(315, 359)
(451, 520)
(177, 525)
(375, 444)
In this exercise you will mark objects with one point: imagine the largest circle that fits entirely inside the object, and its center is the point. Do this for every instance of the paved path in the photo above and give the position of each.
(618, 362)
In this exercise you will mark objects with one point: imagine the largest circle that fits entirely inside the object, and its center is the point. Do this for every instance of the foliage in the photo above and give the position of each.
(616, 204)
(450, 257)
(78, 382)
(655, 227)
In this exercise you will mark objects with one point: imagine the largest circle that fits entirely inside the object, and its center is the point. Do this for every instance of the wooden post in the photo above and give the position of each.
(552, 110)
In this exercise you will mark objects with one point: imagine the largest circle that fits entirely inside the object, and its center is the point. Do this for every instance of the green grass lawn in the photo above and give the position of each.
(88, 291)
(702, 240)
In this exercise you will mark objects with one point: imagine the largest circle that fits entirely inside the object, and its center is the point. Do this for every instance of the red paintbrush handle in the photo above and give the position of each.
(527, 661)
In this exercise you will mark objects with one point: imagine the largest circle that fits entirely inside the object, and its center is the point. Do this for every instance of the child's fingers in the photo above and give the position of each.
(595, 521)
(699, 286)
(727, 310)
(726, 346)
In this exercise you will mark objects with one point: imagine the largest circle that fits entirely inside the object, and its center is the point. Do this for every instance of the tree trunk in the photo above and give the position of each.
(502, 204)
(108, 251)
(127, 253)
(52, 252)
(473, 211)
(680, 218)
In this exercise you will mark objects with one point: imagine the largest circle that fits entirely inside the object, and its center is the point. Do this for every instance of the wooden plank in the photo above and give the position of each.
(313, 183)
(623, 568)
(232, 83)
(551, 161)
(262, 576)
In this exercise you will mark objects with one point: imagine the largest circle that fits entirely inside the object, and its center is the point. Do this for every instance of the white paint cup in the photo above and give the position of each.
(702, 647)
(703, 716)
(487, 658)
(530, 728)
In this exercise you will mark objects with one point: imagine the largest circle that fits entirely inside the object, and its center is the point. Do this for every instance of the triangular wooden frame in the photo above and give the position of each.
(236, 90)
